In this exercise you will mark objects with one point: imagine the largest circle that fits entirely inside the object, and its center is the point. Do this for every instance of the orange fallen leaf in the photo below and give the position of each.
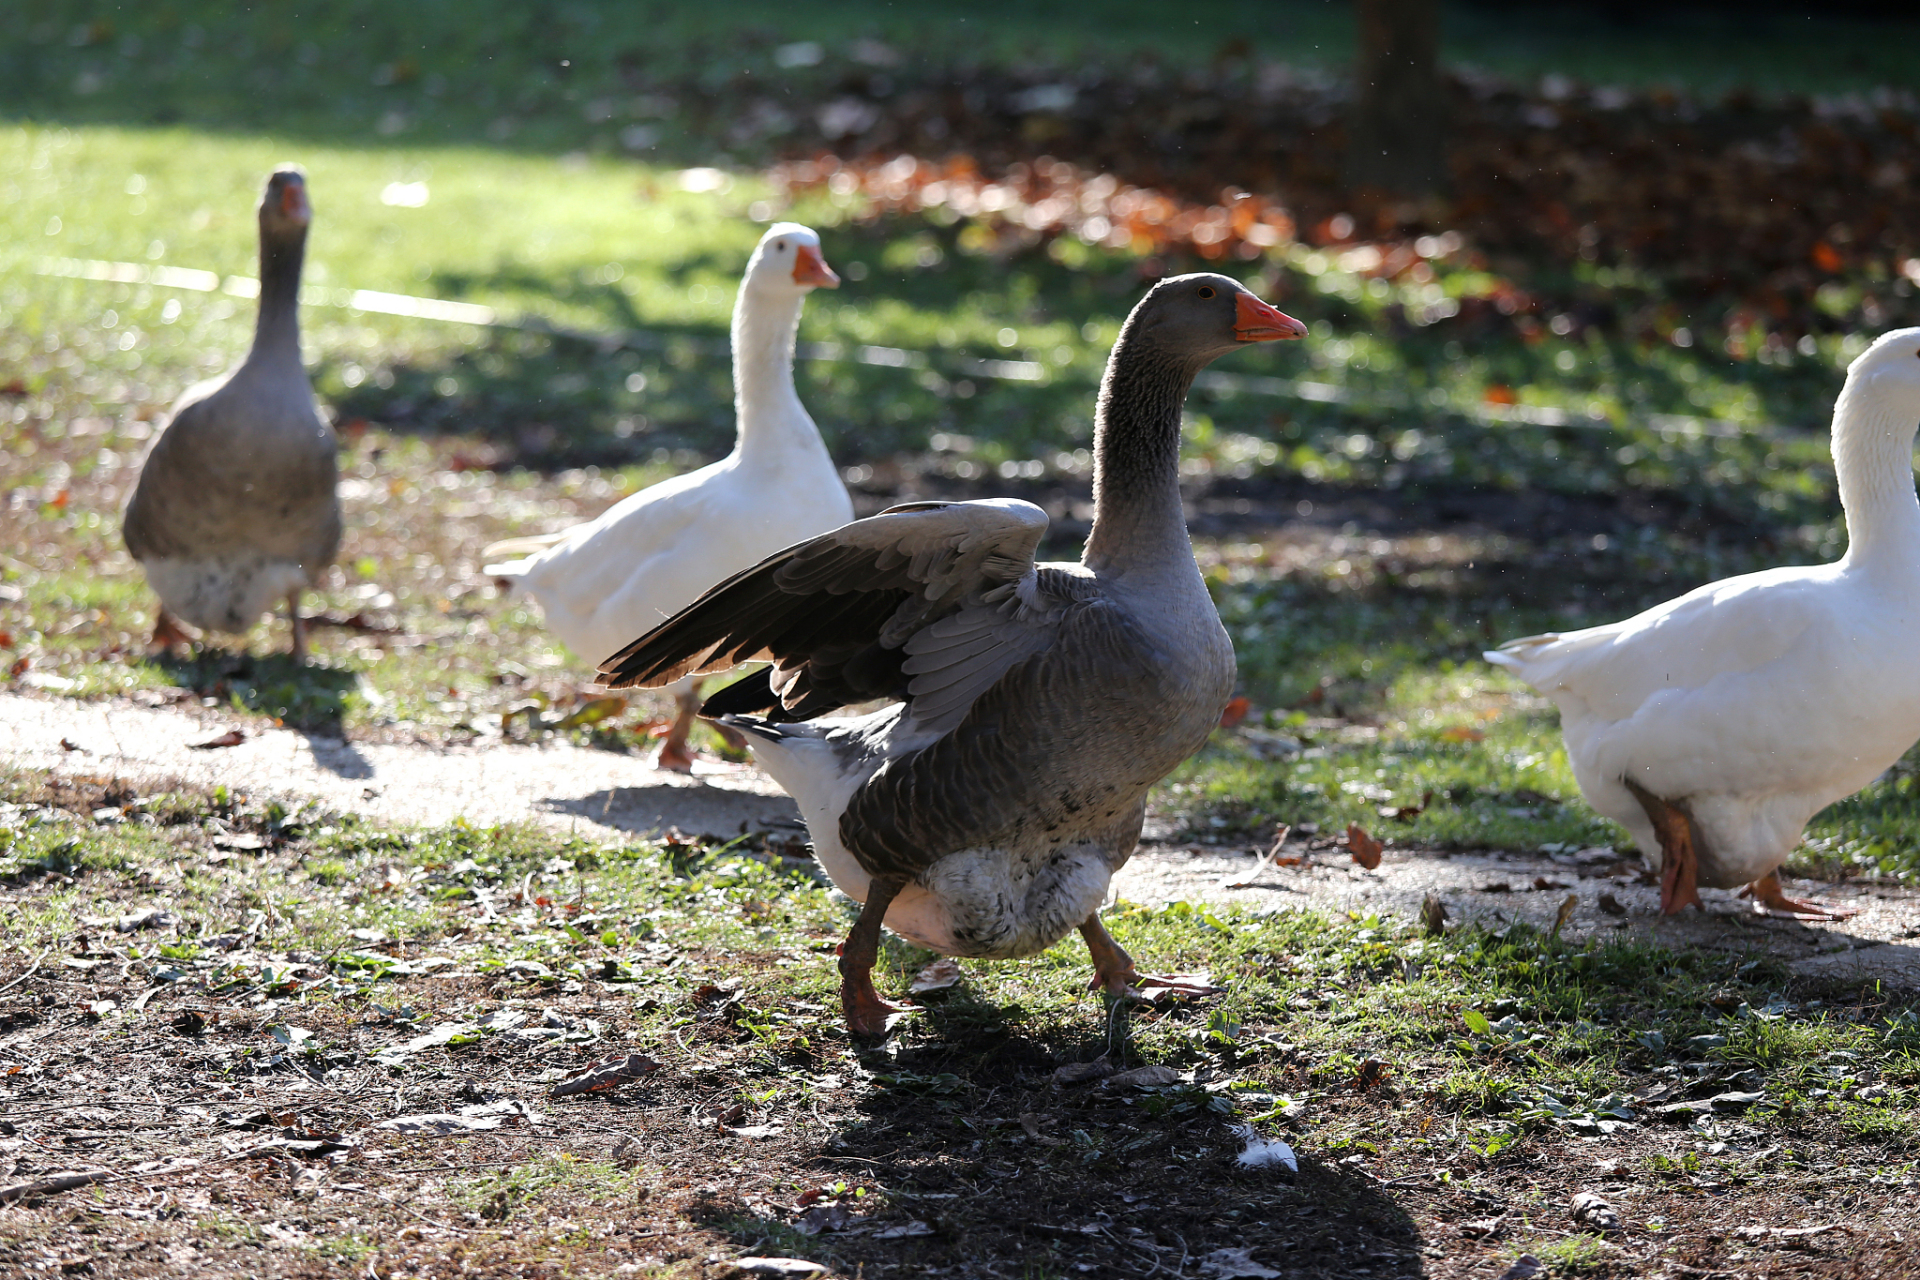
(1408, 812)
(19, 667)
(231, 738)
(1826, 257)
(1235, 711)
(1364, 848)
(1461, 733)
(1499, 393)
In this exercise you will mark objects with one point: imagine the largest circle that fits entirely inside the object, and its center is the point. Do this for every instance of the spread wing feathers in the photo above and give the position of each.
(1049, 746)
(835, 612)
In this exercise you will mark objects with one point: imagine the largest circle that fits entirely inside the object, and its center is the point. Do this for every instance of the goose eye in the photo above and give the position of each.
(780, 245)
(1206, 291)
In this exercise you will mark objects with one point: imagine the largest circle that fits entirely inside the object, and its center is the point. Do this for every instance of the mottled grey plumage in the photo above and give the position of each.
(989, 807)
(236, 506)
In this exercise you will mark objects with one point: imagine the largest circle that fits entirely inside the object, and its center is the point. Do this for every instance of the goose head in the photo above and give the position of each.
(284, 211)
(1198, 318)
(1889, 371)
(788, 259)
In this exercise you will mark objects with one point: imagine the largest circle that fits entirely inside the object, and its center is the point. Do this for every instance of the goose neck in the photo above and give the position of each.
(1873, 462)
(765, 403)
(276, 333)
(1138, 521)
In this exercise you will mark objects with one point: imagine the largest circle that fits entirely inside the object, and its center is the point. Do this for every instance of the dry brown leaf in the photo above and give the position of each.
(1433, 914)
(1364, 848)
(231, 738)
(1565, 913)
(608, 1073)
(1234, 712)
(942, 975)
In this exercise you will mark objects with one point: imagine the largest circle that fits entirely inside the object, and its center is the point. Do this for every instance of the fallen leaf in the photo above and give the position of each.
(1161, 987)
(1462, 733)
(1083, 1072)
(1590, 1209)
(1524, 1267)
(756, 1266)
(1484, 1228)
(149, 918)
(1433, 914)
(824, 1217)
(1234, 712)
(942, 975)
(1364, 848)
(1232, 1264)
(439, 1122)
(1407, 812)
(67, 744)
(1155, 1077)
(1565, 913)
(1542, 883)
(101, 1008)
(1610, 904)
(1371, 1074)
(231, 738)
(1750, 1233)
(608, 1073)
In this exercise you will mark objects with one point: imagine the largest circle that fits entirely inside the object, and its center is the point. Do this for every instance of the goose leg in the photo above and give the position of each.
(167, 632)
(1679, 849)
(675, 755)
(299, 628)
(1770, 899)
(867, 1014)
(1113, 970)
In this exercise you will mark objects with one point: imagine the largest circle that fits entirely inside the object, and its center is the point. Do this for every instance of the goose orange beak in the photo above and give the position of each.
(811, 269)
(1255, 321)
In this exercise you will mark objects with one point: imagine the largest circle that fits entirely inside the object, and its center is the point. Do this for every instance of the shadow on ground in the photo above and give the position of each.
(970, 1155)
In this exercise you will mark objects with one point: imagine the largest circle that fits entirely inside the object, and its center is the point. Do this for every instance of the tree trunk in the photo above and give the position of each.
(1397, 130)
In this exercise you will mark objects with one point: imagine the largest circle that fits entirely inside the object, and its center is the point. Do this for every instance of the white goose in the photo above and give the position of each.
(605, 581)
(985, 812)
(1714, 726)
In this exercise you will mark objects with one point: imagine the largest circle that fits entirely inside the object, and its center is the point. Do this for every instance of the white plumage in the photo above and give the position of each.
(1750, 704)
(604, 582)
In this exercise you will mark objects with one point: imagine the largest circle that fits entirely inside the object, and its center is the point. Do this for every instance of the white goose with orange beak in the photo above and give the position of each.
(602, 583)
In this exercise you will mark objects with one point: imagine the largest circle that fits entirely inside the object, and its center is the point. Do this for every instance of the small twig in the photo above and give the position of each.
(59, 1182)
(31, 969)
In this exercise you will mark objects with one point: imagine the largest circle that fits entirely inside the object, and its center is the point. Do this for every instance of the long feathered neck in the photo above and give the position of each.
(276, 333)
(765, 403)
(1137, 518)
(1873, 461)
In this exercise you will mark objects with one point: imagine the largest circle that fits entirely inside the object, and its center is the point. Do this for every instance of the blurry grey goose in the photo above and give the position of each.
(235, 508)
(984, 812)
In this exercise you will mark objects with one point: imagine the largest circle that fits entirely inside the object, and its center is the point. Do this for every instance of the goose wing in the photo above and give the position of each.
(928, 601)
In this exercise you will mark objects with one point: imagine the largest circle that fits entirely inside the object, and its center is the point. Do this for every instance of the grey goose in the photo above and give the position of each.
(236, 508)
(984, 811)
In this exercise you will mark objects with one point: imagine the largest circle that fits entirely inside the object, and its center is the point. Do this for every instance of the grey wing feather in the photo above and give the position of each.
(1049, 743)
(833, 613)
